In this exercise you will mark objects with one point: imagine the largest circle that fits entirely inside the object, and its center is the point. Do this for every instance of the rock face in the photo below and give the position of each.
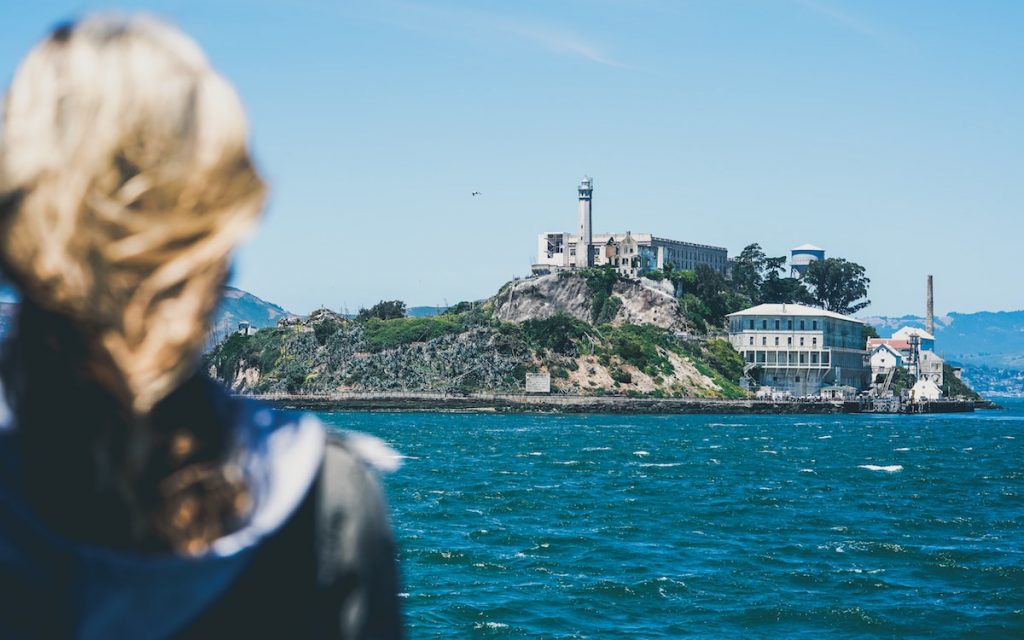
(642, 302)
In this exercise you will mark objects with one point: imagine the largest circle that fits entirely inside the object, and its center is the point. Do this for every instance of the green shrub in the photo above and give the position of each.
(620, 376)
(261, 350)
(724, 359)
(387, 334)
(383, 310)
(638, 345)
(953, 387)
(608, 309)
(325, 329)
(560, 333)
(600, 281)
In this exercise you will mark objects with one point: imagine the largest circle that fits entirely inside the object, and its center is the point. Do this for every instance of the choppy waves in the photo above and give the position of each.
(689, 526)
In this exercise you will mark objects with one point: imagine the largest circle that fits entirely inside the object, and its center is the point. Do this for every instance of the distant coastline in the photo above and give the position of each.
(574, 404)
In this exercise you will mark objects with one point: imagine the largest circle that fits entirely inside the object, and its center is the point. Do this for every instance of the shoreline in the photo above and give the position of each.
(569, 404)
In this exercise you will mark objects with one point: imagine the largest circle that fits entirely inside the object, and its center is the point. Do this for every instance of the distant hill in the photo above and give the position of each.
(424, 312)
(237, 306)
(241, 306)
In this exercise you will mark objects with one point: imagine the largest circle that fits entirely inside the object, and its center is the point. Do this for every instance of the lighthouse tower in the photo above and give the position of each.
(584, 254)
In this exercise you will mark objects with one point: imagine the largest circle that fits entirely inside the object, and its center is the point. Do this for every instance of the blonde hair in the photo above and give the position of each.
(124, 155)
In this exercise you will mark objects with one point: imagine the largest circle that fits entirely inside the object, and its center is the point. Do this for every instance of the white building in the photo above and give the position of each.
(633, 254)
(884, 359)
(917, 347)
(800, 349)
(930, 367)
(924, 390)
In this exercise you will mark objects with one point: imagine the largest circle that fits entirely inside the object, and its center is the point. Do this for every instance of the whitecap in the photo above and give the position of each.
(490, 625)
(597, 448)
(807, 471)
(568, 462)
(774, 453)
(641, 453)
(824, 437)
(660, 464)
(714, 461)
(892, 468)
(902, 449)
(715, 446)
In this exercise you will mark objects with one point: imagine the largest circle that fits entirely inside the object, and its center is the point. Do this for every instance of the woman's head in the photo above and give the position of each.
(126, 182)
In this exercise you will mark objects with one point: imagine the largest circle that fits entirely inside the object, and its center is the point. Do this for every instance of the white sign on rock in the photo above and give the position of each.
(538, 383)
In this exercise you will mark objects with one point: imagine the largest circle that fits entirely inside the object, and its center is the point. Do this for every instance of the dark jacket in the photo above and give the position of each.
(325, 568)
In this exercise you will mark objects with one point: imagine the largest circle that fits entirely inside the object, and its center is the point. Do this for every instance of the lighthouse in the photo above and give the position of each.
(584, 254)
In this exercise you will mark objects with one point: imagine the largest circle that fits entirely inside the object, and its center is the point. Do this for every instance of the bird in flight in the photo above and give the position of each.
(475, 193)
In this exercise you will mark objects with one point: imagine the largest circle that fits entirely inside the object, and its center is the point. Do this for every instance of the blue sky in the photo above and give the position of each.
(889, 133)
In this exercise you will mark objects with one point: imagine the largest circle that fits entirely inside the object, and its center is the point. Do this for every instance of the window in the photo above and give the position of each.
(776, 341)
(814, 325)
(789, 341)
(764, 324)
(801, 325)
(764, 341)
(798, 378)
(789, 325)
(751, 324)
(751, 339)
(814, 341)
(801, 342)
(814, 358)
(776, 325)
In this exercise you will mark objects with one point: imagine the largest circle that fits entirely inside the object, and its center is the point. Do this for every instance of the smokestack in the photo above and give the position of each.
(929, 320)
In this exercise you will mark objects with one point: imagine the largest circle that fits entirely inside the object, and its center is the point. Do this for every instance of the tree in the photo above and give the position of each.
(383, 310)
(759, 278)
(838, 285)
(868, 332)
(748, 271)
(779, 290)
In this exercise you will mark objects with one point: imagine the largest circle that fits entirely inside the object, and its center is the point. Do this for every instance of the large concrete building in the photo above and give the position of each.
(798, 349)
(633, 254)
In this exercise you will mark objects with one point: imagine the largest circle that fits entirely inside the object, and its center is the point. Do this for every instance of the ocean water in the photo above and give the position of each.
(537, 526)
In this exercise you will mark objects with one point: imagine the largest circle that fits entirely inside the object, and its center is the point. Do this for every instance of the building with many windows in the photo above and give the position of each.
(798, 349)
(632, 254)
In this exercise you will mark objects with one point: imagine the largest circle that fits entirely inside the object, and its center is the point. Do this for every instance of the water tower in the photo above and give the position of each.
(800, 258)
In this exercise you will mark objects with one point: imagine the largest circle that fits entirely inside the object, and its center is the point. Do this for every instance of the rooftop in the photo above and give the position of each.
(807, 247)
(791, 310)
(906, 332)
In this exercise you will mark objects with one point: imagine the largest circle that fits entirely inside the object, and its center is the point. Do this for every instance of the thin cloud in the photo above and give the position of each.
(837, 15)
(556, 41)
(454, 20)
